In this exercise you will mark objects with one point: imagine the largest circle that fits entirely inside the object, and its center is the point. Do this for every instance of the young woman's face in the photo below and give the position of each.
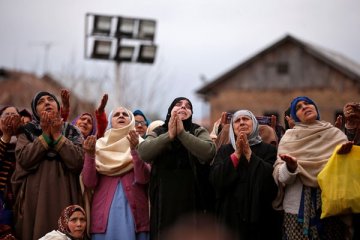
(77, 224)
(120, 118)
(306, 112)
(85, 124)
(243, 124)
(183, 109)
(46, 103)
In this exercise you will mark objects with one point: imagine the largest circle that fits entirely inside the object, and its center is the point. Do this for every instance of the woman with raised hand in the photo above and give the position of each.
(119, 178)
(302, 153)
(49, 160)
(179, 152)
(242, 177)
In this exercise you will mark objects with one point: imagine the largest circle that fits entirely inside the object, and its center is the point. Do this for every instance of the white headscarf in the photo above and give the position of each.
(254, 137)
(113, 153)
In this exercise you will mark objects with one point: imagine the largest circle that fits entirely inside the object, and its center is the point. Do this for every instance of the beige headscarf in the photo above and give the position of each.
(312, 145)
(113, 154)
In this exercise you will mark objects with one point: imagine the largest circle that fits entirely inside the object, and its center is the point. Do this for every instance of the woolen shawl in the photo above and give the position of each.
(312, 145)
(113, 154)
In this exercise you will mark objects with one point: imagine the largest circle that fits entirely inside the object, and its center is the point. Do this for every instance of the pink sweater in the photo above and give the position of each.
(134, 183)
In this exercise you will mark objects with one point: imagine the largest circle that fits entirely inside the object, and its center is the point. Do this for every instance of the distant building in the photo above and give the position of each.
(267, 82)
(18, 89)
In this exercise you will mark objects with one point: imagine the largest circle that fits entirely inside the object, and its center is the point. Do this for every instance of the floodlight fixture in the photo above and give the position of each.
(126, 27)
(101, 49)
(147, 53)
(125, 53)
(147, 29)
(102, 25)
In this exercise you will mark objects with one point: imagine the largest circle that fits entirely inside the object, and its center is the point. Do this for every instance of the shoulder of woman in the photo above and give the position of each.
(54, 235)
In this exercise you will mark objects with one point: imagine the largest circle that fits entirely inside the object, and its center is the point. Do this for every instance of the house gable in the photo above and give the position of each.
(268, 81)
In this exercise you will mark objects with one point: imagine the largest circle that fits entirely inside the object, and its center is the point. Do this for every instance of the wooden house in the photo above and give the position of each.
(267, 82)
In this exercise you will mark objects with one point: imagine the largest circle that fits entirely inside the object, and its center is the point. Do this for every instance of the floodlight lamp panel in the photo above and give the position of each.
(147, 29)
(102, 25)
(126, 27)
(147, 53)
(101, 50)
(125, 53)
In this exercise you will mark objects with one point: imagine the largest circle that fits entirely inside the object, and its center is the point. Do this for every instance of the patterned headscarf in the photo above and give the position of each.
(293, 107)
(254, 137)
(35, 101)
(65, 217)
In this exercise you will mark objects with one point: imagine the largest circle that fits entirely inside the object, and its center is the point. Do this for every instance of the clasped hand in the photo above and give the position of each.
(176, 125)
(242, 146)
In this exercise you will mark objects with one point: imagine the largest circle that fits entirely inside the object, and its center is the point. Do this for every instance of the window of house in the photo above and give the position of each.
(282, 68)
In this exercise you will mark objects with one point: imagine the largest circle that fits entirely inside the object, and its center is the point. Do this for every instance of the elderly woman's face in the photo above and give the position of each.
(77, 224)
(306, 112)
(46, 103)
(120, 118)
(183, 109)
(243, 124)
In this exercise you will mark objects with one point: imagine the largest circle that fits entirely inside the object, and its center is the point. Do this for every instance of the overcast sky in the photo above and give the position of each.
(195, 37)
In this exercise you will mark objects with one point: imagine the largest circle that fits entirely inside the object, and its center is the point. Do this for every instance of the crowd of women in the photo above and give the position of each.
(124, 177)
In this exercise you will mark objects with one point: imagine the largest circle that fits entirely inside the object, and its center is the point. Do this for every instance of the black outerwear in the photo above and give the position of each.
(176, 185)
(244, 194)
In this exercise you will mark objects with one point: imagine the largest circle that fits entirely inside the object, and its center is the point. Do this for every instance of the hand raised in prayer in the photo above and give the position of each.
(242, 146)
(65, 98)
(56, 126)
(345, 148)
(291, 162)
(290, 121)
(179, 125)
(103, 103)
(89, 145)
(133, 138)
(45, 123)
(339, 121)
(172, 126)
(8, 127)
